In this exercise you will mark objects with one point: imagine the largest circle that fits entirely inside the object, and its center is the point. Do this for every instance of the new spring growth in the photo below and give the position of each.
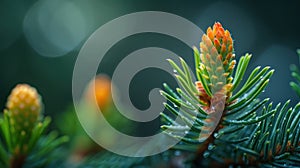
(216, 62)
(24, 107)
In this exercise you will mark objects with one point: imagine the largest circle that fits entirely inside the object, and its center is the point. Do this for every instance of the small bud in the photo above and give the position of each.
(99, 92)
(217, 57)
(24, 108)
(210, 33)
(218, 41)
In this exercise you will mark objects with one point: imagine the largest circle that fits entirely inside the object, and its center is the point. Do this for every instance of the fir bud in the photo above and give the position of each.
(24, 107)
(99, 92)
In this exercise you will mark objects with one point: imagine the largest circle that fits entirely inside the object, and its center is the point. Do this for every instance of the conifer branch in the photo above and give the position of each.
(216, 87)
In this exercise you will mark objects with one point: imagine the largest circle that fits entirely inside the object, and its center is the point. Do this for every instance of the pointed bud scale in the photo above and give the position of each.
(230, 49)
(214, 51)
(208, 57)
(207, 41)
(220, 57)
(229, 56)
(220, 83)
(208, 69)
(231, 66)
(215, 77)
(226, 74)
(219, 69)
(213, 63)
(210, 33)
(203, 48)
(217, 44)
(226, 39)
(225, 62)
(24, 108)
(223, 48)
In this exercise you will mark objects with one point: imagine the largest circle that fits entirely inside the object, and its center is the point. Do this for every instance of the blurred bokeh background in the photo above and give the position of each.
(40, 40)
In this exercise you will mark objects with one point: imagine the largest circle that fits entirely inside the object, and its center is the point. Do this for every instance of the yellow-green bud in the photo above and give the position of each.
(24, 107)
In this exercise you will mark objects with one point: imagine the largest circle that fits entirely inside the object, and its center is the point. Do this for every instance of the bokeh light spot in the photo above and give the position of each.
(54, 27)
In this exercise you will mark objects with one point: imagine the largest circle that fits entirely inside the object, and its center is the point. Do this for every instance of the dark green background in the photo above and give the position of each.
(269, 30)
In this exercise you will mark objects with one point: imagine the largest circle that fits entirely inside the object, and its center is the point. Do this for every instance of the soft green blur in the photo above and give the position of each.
(40, 40)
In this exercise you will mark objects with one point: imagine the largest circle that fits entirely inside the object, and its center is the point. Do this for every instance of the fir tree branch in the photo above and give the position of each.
(241, 110)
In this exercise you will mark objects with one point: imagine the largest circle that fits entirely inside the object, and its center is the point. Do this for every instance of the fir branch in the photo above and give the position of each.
(22, 128)
(274, 141)
(240, 111)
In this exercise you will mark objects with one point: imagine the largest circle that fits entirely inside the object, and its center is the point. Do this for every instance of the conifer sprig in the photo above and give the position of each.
(22, 127)
(216, 90)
